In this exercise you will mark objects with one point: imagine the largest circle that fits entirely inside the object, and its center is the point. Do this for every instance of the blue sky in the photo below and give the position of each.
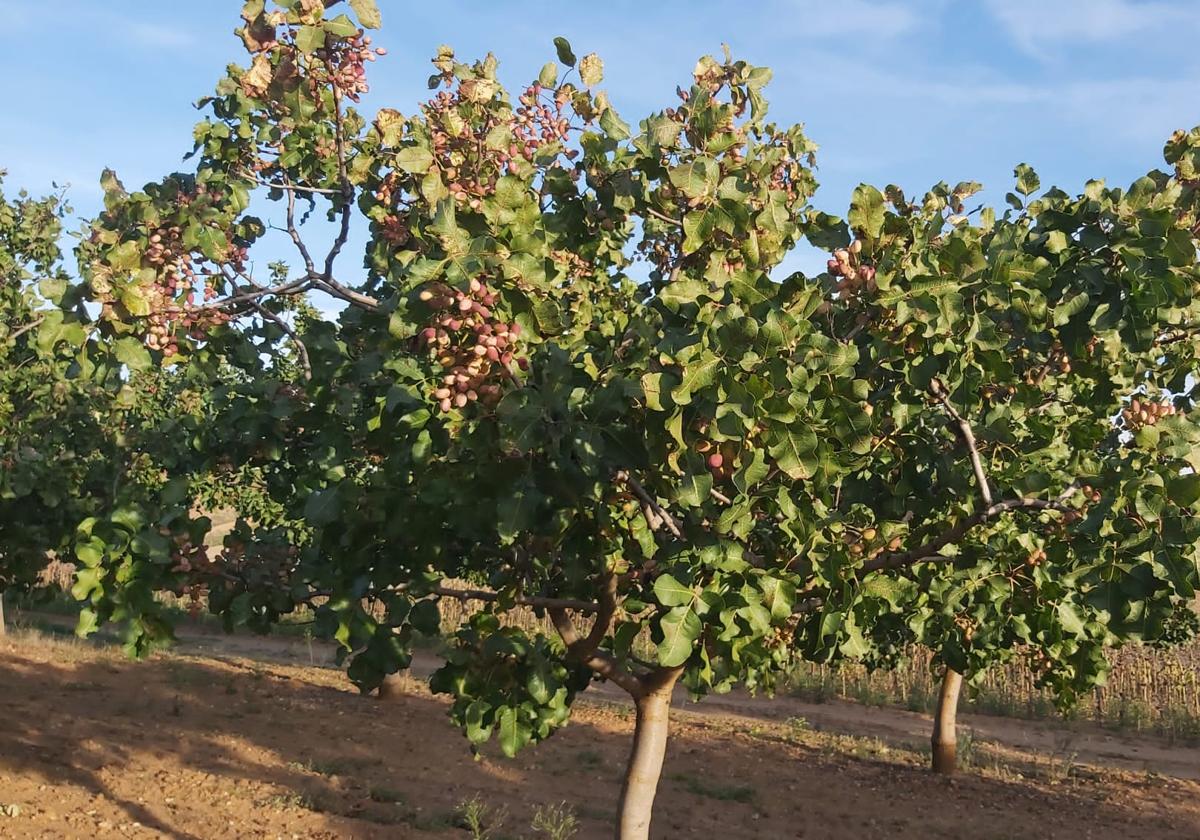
(894, 91)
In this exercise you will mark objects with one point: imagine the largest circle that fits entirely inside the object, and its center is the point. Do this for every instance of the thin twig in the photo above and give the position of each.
(663, 217)
(294, 232)
(344, 182)
(333, 287)
(655, 514)
(964, 428)
(291, 333)
(286, 187)
(898, 560)
(20, 331)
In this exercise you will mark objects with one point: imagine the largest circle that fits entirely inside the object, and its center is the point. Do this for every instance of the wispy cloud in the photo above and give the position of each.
(19, 16)
(1037, 25)
(871, 19)
(153, 35)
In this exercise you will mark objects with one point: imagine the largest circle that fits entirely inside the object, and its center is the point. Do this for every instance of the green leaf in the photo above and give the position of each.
(340, 26)
(1069, 618)
(563, 47)
(322, 507)
(414, 159)
(681, 627)
(367, 12)
(131, 353)
(511, 731)
(672, 593)
(1027, 180)
(310, 39)
(615, 127)
(134, 299)
(697, 375)
(866, 211)
(515, 513)
(794, 450)
(548, 78)
(696, 178)
(212, 242)
(1068, 309)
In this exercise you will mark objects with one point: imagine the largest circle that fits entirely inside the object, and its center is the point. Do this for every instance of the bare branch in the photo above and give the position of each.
(333, 287)
(523, 600)
(344, 181)
(291, 333)
(286, 187)
(294, 232)
(655, 514)
(964, 429)
(663, 217)
(928, 551)
(20, 331)
(250, 296)
(720, 497)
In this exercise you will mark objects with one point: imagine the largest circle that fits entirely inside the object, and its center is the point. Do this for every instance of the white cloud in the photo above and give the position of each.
(1036, 25)
(871, 19)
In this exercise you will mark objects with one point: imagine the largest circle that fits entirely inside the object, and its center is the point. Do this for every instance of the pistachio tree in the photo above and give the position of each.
(1096, 247)
(48, 461)
(568, 377)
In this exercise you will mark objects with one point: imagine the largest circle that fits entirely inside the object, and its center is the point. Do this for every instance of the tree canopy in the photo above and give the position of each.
(569, 377)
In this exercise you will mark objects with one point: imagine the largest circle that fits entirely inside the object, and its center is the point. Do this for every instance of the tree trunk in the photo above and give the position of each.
(645, 760)
(390, 688)
(945, 734)
(3, 629)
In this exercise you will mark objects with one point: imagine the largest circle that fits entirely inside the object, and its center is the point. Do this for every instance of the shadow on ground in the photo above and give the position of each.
(190, 748)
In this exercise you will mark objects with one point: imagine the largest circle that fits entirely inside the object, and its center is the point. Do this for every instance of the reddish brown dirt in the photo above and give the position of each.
(187, 747)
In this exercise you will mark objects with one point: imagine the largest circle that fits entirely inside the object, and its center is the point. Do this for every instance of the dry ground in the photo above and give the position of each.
(195, 747)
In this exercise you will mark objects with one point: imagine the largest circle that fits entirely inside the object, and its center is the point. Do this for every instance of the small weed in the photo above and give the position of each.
(292, 799)
(557, 822)
(589, 758)
(796, 726)
(325, 766)
(480, 818)
(723, 793)
(386, 795)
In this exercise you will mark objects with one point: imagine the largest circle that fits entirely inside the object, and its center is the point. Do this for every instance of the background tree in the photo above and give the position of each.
(50, 463)
(568, 378)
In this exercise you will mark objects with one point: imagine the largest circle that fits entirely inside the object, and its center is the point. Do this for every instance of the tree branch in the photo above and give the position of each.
(333, 287)
(964, 429)
(929, 550)
(346, 187)
(656, 515)
(524, 600)
(20, 331)
(294, 232)
(286, 187)
(291, 333)
(587, 650)
(663, 217)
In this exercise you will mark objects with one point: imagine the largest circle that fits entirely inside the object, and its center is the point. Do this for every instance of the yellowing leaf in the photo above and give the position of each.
(591, 69)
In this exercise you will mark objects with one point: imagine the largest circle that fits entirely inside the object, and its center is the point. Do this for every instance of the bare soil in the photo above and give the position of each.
(248, 746)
